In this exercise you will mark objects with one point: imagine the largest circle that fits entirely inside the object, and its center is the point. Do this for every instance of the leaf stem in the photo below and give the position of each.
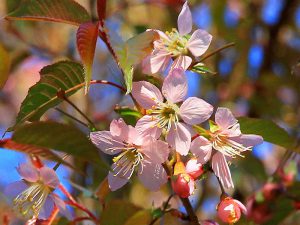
(217, 51)
(71, 117)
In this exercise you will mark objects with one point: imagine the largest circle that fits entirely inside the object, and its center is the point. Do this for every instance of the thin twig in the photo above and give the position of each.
(71, 117)
(216, 51)
(164, 209)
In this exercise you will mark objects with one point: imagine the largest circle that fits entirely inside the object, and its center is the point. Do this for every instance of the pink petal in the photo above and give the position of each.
(146, 94)
(175, 86)
(221, 170)
(249, 140)
(156, 150)
(199, 42)
(46, 209)
(134, 137)
(152, 175)
(184, 21)
(157, 61)
(195, 110)
(116, 179)
(192, 185)
(49, 177)
(179, 138)
(224, 118)
(201, 148)
(14, 189)
(182, 61)
(119, 129)
(147, 126)
(233, 131)
(60, 204)
(192, 166)
(28, 172)
(106, 142)
(242, 206)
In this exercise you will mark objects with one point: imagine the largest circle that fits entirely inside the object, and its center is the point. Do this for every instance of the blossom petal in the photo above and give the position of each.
(175, 86)
(184, 21)
(106, 142)
(191, 186)
(199, 42)
(119, 129)
(46, 209)
(201, 148)
(156, 150)
(157, 61)
(182, 61)
(192, 167)
(242, 206)
(117, 180)
(14, 189)
(179, 138)
(195, 110)
(249, 140)
(61, 205)
(221, 169)
(147, 126)
(49, 177)
(224, 118)
(146, 94)
(152, 175)
(28, 172)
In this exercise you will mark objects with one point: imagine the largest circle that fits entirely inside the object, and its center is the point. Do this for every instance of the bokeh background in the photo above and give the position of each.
(258, 77)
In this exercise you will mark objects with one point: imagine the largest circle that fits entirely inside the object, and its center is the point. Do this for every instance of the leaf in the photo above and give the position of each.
(142, 217)
(269, 130)
(63, 11)
(61, 137)
(101, 9)
(132, 52)
(129, 115)
(4, 66)
(65, 75)
(117, 212)
(202, 69)
(31, 150)
(87, 35)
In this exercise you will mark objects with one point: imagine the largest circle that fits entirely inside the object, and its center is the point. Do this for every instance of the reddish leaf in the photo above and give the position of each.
(101, 9)
(64, 11)
(87, 34)
(30, 149)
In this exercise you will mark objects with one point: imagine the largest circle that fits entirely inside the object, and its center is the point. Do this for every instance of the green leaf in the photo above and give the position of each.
(65, 75)
(132, 52)
(202, 69)
(4, 66)
(269, 130)
(129, 115)
(64, 11)
(60, 137)
(86, 39)
(117, 212)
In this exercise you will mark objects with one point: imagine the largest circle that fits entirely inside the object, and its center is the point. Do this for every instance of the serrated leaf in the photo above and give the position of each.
(101, 10)
(132, 52)
(31, 150)
(86, 38)
(117, 212)
(269, 130)
(65, 75)
(64, 11)
(4, 66)
(60, 137)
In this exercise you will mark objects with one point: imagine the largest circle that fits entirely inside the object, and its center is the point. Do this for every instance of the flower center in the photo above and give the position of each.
(176, 44)
(228, 147)
(165, 114)
(126, 162)
(30, 201)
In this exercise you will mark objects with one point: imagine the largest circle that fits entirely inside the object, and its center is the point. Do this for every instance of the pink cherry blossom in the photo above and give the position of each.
(168, 115)
(33, 197)
(226, 142)
(133, 151)
(177, 45)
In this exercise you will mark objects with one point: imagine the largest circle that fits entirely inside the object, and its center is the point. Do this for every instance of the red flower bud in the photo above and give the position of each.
(229, 210)
(271, 190)
(183, 185)
(194, 169)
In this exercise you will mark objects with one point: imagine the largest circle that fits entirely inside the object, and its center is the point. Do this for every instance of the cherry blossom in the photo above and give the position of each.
(177, 44)
(168, 115)
(33, 196)
(225, 142)
(230, 210)
(133, 151)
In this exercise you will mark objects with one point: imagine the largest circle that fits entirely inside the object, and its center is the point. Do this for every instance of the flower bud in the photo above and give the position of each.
(183, 185)
(194, 169)
(229, 210)
(271, 190)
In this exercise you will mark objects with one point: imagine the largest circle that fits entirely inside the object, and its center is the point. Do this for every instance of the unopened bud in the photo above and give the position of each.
(183, 185)
(229, 210)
